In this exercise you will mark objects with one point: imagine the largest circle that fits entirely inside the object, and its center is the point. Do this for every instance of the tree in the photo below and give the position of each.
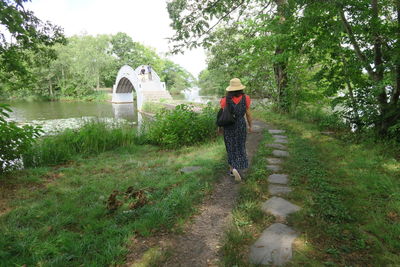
(21, 31)
(358, 45)
(192, 20)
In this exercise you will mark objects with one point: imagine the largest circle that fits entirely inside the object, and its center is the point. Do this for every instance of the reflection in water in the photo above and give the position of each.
(57, 116)
(192, 95)
(124, 111)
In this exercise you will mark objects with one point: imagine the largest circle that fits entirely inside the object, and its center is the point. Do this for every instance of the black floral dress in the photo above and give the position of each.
(235, 136)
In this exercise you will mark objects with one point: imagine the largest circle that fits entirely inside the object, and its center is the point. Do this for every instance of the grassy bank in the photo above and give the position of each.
(94, 137)
(349, 191)
(58, 216)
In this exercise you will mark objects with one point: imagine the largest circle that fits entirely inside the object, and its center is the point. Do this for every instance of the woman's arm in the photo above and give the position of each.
(249, 120)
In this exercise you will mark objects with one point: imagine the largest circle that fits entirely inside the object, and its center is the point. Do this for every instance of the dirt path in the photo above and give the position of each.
(200, 243)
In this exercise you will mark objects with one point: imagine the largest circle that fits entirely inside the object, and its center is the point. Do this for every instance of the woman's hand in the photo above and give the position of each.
(250, 129)
(220, 130)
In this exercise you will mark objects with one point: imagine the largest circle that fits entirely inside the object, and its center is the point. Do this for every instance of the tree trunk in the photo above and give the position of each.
(50, 88)
(281, 66)
(98, 82)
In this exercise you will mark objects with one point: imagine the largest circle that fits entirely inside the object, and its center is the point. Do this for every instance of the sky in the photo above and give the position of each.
(146, 21)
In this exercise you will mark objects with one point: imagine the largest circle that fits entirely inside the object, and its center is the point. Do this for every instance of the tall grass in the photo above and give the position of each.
(92, 138)
(182, 126)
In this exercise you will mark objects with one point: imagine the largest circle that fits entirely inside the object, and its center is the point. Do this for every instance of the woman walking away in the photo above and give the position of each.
(235, 134)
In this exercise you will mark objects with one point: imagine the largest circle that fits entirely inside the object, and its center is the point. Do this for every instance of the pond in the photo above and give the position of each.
(55, 116)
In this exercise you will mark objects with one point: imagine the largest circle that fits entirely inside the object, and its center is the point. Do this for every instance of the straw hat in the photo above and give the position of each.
(235, 85)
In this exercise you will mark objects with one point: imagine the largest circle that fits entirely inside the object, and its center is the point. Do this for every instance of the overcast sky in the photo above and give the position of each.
(146, 21)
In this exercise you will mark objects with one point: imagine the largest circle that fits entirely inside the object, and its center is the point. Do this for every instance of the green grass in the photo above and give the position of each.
(350, 194)
(248, 219)
(93, 137)
(64, 221)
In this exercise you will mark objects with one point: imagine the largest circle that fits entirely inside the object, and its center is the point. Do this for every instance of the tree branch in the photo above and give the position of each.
(222, 18)
(356, 47)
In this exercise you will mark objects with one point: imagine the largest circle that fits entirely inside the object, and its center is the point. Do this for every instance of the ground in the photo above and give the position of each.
(200, 243)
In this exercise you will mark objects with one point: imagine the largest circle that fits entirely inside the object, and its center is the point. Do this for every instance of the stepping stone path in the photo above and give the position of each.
(280, 153)
(274, 168)
(274, 161)
(275, 244)
(278, 190)
(278, 146)
(278, 179)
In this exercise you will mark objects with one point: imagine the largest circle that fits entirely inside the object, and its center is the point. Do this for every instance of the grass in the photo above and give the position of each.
(349, 191)
(61, 218)
(93, 137)
(248, 219)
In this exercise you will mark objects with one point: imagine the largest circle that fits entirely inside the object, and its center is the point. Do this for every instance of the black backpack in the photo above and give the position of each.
(225, 116)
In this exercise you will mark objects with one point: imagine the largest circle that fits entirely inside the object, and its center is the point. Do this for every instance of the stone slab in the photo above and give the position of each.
(274, 168)
(190, 169)
(278, 190)
(281, 141)
(280, 153)
(276, 131)
(277, 136)
(279, 207)
(274, 245)
(278, 178)
(274, 160)
(278, 146)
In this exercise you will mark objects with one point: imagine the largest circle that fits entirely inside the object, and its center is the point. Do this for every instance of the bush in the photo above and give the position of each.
(14, 140)
(323, 117)
(93, 137)
(182, 126)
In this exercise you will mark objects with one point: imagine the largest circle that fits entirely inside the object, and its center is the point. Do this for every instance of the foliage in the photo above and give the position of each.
(182, 127)
(14, 140)
(86, 63)
(22, 31)
(341, 52)
(93, 137)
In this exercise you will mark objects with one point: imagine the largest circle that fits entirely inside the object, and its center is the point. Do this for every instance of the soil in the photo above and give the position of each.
(201, 239)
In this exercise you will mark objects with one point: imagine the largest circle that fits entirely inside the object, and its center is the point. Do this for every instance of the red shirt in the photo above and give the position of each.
(236, 100)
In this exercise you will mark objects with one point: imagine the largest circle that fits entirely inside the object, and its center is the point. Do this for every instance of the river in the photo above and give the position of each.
(56, 116)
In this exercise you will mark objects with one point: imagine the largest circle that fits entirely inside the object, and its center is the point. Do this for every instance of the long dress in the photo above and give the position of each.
(235, 136)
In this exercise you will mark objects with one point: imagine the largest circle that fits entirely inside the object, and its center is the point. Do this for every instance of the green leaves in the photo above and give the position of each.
(14, 140)
(182, 127)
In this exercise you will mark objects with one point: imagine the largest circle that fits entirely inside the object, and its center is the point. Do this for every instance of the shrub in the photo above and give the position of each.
(322, 116)
(182, 126)
(14, 140)
(92, 138)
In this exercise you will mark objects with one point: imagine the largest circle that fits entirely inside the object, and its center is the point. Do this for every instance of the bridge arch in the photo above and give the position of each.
(147, 88)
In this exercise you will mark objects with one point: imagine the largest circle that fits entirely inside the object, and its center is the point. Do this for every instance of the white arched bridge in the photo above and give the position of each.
(146, 84)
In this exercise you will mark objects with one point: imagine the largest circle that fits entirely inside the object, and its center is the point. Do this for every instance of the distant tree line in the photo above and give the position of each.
(82, 64)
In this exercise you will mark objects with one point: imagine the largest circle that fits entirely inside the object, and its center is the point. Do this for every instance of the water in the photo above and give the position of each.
(56, 116)
(192, 95)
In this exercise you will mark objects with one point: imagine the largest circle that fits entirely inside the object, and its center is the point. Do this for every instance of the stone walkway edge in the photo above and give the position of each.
(274, 246)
